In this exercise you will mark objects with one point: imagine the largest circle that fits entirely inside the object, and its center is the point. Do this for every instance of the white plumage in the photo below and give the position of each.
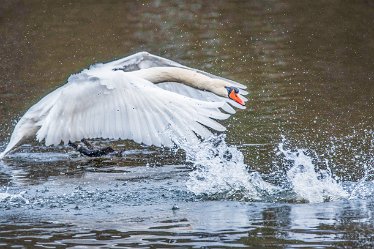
(125, 99)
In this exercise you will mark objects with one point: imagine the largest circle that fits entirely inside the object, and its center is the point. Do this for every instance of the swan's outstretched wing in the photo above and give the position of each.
(124, 107)
(144, 60)
(117, 105)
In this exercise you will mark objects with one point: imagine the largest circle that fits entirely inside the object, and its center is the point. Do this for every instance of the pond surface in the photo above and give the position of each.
(295, 169)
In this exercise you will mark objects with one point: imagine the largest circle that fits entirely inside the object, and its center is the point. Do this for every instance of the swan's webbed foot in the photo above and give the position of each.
(90, 150)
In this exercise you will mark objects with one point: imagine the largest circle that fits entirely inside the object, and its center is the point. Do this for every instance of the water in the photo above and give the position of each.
(295, 169)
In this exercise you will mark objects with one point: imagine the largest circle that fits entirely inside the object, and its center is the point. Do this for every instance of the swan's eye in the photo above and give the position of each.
(231, 88)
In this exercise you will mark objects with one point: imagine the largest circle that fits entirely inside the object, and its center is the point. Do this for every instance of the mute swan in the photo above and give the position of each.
(142, 97)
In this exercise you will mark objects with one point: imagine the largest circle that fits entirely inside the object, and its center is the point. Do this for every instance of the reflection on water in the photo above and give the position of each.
(309, 70)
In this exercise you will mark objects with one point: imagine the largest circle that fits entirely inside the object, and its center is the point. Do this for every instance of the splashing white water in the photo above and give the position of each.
(308, 183)
(13, 198)
(220, 172)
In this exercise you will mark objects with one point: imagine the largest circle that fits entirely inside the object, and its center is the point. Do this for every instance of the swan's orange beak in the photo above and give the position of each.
(234, 96)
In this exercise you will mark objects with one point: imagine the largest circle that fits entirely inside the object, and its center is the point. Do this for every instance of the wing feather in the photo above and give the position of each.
(119, 105)
(201, 130)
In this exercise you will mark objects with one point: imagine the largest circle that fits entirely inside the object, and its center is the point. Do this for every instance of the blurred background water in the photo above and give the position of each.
(300, 166)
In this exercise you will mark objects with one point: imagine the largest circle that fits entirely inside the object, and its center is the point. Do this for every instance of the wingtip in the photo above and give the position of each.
(4, 153)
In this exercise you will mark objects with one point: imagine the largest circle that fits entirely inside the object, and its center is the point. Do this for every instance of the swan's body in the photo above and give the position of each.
(143, 97)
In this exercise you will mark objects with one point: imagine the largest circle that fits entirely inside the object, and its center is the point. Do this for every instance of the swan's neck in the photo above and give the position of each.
(185, 76)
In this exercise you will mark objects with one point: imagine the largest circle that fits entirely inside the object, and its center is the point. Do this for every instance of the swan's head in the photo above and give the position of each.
(232, 93)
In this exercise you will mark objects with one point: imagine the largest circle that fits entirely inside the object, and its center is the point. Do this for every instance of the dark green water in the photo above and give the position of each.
(307, 129)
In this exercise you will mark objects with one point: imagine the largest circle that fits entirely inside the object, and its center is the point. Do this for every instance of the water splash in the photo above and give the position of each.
(13, 198)
(307, 181)
(221, 173)
(364, 188)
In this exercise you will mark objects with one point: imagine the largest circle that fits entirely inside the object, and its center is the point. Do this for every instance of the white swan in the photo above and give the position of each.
(142, 97)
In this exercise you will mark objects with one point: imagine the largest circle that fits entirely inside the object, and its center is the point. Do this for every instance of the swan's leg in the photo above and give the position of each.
(89, 146)
(90, 150)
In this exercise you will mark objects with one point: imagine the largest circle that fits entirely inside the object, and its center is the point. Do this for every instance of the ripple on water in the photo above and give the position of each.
(135, 206)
